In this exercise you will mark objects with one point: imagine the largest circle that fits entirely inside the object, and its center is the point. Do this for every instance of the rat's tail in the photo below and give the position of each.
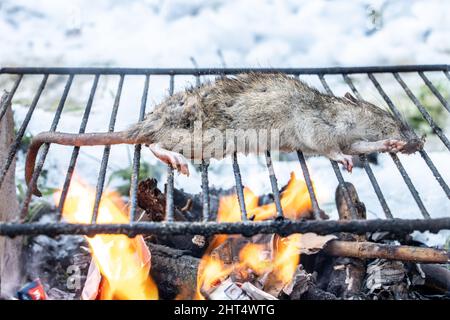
(70, 139)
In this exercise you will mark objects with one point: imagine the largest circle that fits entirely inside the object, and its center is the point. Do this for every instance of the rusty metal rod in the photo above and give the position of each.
(4, 107)
(137, 156)
(40, 163)
(20, 133)
(76, 150)
(283, 227)
(435, 91)
(274, 185)
(106, 152)
(222, 71)
(309, 185)
(239, 187)
(334, 164)
(205, 191)
(170, 209)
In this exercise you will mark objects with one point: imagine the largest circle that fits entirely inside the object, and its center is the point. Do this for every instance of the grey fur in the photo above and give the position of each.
(307, 119)
(304, 118)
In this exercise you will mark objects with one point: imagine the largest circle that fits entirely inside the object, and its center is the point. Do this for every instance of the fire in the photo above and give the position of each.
(255, 257)
(286, 258)
(123, 262)
(295, 202)
(213, 271)
(279, 261)
(281, 265)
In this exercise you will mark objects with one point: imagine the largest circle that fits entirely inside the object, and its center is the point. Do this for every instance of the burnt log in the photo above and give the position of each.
(174, 271)
(153, 202)
(342, 206)
(370, 250)
(437, 278)
(347, 274)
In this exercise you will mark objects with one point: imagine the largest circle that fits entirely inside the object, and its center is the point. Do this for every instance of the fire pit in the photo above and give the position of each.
(206, 224)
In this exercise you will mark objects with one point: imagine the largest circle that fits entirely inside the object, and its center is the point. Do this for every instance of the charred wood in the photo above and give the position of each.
(347, 274)
(174, 271)
(153, 202)
(437, 278)
(370, 250)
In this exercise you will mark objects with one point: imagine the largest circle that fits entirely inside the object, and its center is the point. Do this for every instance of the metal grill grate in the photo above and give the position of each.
(280, 225)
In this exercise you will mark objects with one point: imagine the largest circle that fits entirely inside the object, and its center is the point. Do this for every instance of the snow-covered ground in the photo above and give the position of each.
(167, 33)
(244, 33)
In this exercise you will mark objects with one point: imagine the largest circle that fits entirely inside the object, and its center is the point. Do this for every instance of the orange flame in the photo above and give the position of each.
(280, 262)
(295, 202)
(123, 262)
(256, 257)
(286, 258)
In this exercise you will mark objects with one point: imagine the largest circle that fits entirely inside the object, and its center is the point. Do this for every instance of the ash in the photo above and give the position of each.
(61, 262)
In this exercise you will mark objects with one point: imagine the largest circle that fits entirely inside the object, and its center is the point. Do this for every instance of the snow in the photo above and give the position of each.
(248, 33)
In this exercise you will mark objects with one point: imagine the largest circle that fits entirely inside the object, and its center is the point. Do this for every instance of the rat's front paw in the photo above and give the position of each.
(393, 145)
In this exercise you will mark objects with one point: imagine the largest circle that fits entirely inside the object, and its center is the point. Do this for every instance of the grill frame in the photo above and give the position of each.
(280, 224)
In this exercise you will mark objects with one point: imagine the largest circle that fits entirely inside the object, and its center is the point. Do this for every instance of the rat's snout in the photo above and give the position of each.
(414, 145)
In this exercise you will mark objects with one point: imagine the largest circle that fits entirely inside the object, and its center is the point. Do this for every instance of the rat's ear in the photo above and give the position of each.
(350, 97)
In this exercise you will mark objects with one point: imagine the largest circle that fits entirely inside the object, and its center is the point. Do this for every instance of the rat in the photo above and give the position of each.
(303, 118)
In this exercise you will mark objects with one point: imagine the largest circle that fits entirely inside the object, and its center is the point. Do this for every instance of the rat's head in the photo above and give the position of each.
(379, 124)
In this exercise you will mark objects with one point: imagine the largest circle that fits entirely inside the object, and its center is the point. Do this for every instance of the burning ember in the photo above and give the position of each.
(123, 262)
(273, 261)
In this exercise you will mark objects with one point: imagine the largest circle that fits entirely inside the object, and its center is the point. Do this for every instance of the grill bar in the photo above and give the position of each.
(10, 96)
(239, 187)
(76, 150)
(246, 227)
(447, 75)
(225, 71)
(170, 210)
(436, 129)
(197, 80)
(45, 148)
(205, 191)
(137, 156)
(376, 187)
(435, 91)
(282, 227)
(365, 162)
(274, 185)
(204, 169)
(335, 166)
(397, 162)
(105, 158)
(169, 195)
(422, 152)
(15, 146)
(309, 185)
(410, 185)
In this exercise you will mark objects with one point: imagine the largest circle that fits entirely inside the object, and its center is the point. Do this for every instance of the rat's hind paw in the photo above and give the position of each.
(393, 145)
(345, 159)
(347, 162)
(173, 159)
